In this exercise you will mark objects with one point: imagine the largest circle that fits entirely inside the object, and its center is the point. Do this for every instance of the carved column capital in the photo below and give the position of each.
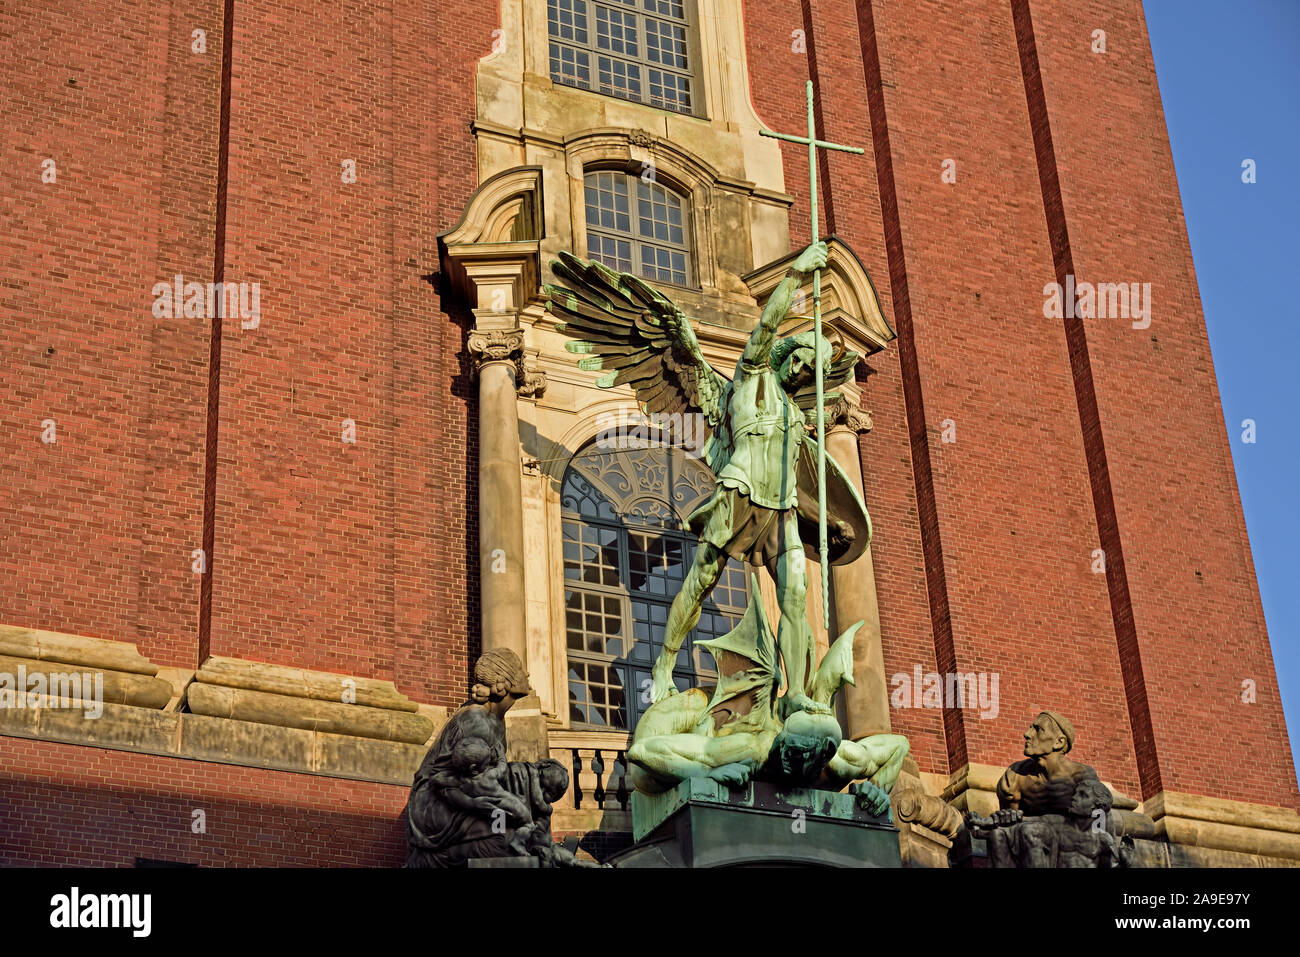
(496, 345)
(532, 383)
(842, 415)
(507, 345)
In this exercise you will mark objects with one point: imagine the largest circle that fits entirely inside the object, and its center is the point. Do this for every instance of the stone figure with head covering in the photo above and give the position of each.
(1045, 782)
(467, 800)
(1053, 811)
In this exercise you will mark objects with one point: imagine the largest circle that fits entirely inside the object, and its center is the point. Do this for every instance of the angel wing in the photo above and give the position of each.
(635, 333)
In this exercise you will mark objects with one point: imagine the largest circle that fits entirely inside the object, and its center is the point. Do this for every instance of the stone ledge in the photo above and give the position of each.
(118, 687)
(973, 787)
(76, 650)
(1194, 821)
(300, 683)
(198, 737)
(1221, 811)
(308, 714)
(287, 697)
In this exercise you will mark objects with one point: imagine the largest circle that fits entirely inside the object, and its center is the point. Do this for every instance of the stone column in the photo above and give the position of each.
(499, 358)
(853, 596)
(502, 377)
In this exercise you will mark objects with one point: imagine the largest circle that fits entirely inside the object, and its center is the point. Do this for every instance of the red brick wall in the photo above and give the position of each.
(1193, 599)
(96, 529)
(362, 558)
(70, 805)
(984, 546)
(346, 557)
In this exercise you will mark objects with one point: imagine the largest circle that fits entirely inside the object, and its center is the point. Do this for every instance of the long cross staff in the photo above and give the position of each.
(813, 144)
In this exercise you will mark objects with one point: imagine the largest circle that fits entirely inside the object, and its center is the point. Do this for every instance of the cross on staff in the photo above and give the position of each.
(814, 144)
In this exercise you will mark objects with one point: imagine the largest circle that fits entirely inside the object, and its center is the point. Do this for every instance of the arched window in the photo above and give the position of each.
(626, 551)
(637, 226)
(639, 50)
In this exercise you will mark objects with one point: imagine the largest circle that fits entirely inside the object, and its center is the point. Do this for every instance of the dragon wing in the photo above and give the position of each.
(836, 668)
(746, 658)
(634, 332)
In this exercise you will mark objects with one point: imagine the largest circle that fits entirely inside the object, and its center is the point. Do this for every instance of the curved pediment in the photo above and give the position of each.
(849, 299)
(506, 208)
(495, 244)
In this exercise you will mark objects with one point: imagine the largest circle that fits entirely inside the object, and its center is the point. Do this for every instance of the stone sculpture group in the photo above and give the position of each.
(468, 802)
(1053, 812)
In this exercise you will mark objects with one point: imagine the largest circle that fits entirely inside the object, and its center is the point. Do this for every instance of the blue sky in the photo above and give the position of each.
(1229, 75)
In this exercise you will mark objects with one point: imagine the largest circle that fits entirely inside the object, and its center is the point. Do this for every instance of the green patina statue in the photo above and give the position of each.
(735, 734)
(764, 511)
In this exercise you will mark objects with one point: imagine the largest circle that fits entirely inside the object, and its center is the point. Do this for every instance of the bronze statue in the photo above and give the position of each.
(765, 507)
(467, 800)
(736, 734)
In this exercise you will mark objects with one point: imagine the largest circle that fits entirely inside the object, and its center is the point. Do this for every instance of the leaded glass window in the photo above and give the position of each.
(626, 551)
(635, 49)
(637, 225)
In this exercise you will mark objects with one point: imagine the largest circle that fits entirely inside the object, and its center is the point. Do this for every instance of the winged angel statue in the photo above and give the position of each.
(763, 511)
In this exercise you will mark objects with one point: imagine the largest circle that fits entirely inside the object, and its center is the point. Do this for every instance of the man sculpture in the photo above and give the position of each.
(1053, 812)
(764, 507)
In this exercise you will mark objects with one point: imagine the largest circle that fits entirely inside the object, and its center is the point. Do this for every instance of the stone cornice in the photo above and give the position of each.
(490, 258)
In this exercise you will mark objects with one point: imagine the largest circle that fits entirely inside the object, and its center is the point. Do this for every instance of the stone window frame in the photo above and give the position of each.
(565, 38)
(634, 152)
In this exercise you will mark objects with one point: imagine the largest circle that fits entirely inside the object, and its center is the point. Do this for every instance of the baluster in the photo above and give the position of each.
(620, 764)
(577, 786)
(598, 766)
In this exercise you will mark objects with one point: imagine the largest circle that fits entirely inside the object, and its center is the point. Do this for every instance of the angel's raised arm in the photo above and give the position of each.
(759, 347)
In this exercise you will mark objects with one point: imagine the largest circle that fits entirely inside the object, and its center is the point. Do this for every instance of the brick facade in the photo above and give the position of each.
(77, 806)
(361, 558)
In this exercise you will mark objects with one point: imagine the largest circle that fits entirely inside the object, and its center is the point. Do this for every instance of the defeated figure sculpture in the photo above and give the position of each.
(736, 734)
(467, 801)
(1054, 812)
